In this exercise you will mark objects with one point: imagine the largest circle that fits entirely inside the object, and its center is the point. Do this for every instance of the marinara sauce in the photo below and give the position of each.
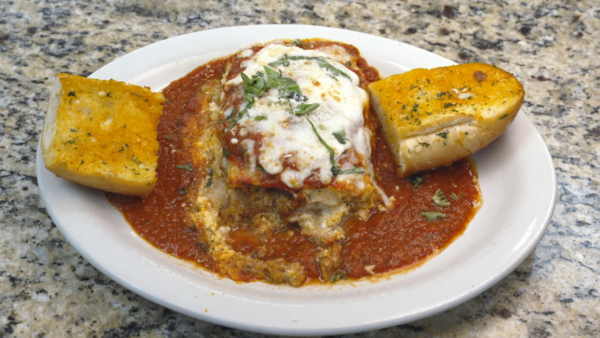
(388, 241)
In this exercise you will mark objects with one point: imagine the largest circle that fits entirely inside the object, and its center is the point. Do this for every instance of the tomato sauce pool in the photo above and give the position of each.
(388, 241)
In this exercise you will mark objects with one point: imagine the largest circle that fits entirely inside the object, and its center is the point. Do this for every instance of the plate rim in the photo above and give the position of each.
(357, 327)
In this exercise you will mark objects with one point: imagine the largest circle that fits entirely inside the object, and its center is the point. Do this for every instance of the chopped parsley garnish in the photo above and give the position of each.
(187, 167)
(338, 275)
(503, 117)
(433, 216)
(439, 199)
(260, 117)
(226, 152)
(72, 94)
(443, 134)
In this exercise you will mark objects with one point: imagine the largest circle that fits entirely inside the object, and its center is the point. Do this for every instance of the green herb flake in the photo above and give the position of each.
(439, 199)
(236, 119)
(321, 61)
(443, 134)
(424, 144)
(331, 152)
(138, 95)
(433, 216)
(503, 117)
(228, 117)
(340, 136)
(338, 171)
(187, 167)
(296, 42)
(260, 117)
(337, 276)
(226, 152)
(416, 181)
(72, 93)
(71, 141)
(73, 130)
(181, 191)
(454, 197)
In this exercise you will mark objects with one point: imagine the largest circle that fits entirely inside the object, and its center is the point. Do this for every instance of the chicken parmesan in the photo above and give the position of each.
(272, 167)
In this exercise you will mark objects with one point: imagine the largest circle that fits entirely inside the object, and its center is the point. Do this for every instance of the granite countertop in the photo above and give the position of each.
(48, 290)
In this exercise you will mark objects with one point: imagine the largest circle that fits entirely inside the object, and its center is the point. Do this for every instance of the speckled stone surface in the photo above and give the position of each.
(48, 290)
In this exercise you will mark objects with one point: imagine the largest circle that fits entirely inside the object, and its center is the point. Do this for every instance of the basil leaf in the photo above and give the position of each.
(340, 136)
(255, 85)
(321, 61)
(283, 61)
(433, 216)
(326, 65)
(331, 152)
(304, 109)
(288, 88)
(237, 118)
(338, 171)
(439, 199)
(225, 120)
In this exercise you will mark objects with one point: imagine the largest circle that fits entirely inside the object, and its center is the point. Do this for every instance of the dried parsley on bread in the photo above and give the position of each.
(102, 134)
(433, 117)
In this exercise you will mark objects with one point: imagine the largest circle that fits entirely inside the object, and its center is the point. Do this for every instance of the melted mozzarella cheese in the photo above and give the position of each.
(290, 138)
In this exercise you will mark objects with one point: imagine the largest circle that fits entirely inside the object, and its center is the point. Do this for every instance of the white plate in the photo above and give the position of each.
(517, 181)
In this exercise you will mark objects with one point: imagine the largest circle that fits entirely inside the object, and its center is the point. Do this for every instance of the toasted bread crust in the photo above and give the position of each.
(434, 117)
(102, 134)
